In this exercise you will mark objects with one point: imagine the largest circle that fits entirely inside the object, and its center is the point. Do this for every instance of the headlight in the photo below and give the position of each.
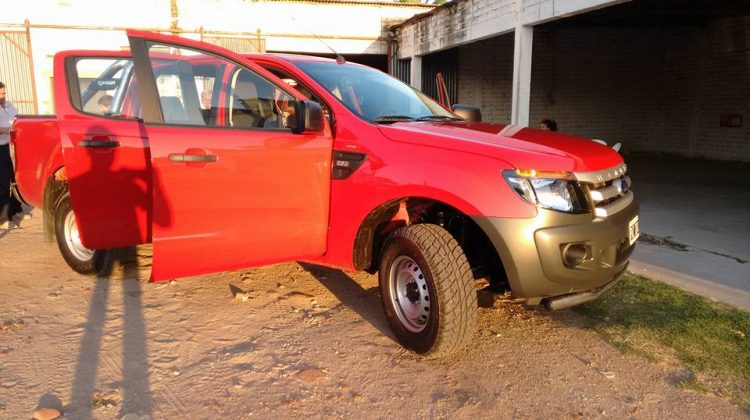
(555, 191)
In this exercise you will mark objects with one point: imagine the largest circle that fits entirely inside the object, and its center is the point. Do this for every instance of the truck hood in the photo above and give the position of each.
(519, 147)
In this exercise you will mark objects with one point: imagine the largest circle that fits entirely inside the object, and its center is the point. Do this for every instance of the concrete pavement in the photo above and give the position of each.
(695, 224)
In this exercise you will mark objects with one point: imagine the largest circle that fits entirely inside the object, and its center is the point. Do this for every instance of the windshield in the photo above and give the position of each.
(373, 95)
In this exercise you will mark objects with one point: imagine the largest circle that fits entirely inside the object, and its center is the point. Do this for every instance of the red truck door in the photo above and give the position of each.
(232, 185)
(105, 150)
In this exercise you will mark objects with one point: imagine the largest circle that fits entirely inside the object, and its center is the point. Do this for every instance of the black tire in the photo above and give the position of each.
(450, 305)
(88, 265)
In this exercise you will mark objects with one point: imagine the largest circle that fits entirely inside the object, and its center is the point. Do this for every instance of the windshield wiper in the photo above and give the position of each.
(392, 118)
(438, 118)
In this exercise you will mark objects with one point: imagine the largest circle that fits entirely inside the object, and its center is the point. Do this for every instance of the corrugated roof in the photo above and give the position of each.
(359, 3)
(421, 16)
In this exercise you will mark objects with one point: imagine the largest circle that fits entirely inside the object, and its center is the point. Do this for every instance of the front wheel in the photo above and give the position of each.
(79, 258)
(428, 290)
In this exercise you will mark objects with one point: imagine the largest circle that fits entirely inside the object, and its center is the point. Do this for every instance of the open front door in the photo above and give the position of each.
(233, 187)
(105, 148)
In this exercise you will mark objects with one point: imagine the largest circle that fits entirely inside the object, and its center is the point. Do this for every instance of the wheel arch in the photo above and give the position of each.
(406, 210)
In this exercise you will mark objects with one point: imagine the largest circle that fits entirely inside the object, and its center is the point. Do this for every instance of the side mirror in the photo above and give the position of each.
(468, 112)
(308, 116)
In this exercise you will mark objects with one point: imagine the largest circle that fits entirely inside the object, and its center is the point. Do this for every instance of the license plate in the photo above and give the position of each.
(634, 230)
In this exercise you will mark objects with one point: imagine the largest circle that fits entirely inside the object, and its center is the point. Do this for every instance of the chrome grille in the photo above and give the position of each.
(608, 190)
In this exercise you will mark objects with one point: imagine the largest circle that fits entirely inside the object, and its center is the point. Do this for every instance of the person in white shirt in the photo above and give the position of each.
(9, 205)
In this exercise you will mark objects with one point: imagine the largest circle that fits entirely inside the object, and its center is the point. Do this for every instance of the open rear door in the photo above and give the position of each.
(233, 185)
(105, 148)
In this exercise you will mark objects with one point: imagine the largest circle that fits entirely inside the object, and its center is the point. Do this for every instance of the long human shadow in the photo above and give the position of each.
(119, 264)
(84, 381)
(136, 388)
(365, 302)
(136, 394)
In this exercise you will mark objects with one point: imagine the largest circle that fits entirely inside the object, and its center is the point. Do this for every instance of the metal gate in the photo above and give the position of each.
(400, 69)
(17, 69)
(445, 62)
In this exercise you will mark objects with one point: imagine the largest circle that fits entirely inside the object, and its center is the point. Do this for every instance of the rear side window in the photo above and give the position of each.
(106, 87)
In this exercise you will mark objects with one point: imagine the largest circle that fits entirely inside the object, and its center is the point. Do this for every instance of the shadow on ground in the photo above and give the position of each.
(365, 302)
(120, 270)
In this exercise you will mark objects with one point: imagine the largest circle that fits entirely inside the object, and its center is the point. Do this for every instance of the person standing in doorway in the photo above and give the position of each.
(548, 125)
(9, 205)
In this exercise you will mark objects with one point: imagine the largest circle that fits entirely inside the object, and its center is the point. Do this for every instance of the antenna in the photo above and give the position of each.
(339, 58)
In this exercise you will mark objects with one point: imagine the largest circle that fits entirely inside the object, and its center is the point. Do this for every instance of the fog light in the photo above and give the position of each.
(574, 254)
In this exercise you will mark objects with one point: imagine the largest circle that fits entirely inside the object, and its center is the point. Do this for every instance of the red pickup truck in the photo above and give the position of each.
(226, 161)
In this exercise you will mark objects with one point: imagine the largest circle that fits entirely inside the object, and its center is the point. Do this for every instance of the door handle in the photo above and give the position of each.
(185, 157)
(99, 142)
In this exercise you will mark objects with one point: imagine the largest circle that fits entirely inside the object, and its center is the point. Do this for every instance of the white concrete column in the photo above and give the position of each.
(416, 72)
(522, 75)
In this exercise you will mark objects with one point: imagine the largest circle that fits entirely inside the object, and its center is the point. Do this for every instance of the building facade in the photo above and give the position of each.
(668, 76)
(33, 31)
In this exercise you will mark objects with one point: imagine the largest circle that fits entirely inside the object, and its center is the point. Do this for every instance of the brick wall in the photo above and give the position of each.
(598, 82)
(724, 90)
(463, 21)
(485, 76)
(654, 89)
(674, 113)
(454, 24)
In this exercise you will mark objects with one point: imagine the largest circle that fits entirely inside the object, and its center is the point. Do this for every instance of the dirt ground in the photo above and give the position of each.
(309, 341)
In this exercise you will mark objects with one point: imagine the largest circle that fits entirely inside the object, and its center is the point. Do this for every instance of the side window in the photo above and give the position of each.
(197, 88)
(256, 103)
(205, 80)
(104, 87)
(178, 93)
(301, 88)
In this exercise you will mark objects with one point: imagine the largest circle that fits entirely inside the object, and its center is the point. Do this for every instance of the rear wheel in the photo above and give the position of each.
(79, 258)
(427, 290)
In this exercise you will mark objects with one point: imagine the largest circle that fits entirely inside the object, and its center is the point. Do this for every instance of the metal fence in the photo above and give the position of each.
(240, 45)
(400, 69)
(17, 70)
(17, 65)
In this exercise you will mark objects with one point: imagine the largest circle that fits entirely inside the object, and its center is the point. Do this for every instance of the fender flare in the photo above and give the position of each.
(364, 250)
